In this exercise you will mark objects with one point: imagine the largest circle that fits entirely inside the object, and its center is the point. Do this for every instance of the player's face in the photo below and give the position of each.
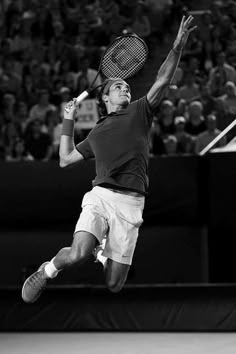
(119, 93)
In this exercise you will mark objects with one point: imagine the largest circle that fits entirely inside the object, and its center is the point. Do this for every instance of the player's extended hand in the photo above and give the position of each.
(70, 109)
(183, 33)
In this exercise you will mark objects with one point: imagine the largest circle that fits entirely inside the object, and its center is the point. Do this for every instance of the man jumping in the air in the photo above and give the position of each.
(112, 211)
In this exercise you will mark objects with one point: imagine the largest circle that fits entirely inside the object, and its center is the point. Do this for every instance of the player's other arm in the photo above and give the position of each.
(168, 68)
(68, 153)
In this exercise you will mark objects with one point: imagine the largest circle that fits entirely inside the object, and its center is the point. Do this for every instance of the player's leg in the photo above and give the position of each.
(115, 272)
(84, 242)
(115, 275)
(124, 216)
(81, 249)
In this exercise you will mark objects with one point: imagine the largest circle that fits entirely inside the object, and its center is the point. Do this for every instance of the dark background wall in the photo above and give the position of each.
(187, 236)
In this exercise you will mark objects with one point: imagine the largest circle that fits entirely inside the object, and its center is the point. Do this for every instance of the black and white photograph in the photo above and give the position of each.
(117, 193)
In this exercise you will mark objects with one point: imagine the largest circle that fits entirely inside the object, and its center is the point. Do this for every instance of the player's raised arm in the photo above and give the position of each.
(68, 152)
(167, 69)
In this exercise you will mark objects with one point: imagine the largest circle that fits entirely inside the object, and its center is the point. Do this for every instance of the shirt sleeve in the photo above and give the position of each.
(145, 110)
(85, 149)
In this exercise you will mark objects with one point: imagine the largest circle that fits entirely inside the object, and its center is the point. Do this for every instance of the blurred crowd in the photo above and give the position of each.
(50, 51)
(201, 101)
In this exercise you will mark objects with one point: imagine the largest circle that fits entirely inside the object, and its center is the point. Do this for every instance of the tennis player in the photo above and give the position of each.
(111, 214)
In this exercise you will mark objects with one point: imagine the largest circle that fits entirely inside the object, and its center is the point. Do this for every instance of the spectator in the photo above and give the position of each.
(93, 17)
(55, 95)
(181, 108)
(58, 47)
(205, 26)
(22, 114)
(195, 123)
(4, 85)
(70, 83)
(209, 102)
(227, 108)
(42, 26)
(194, 47)
(140, 23)
(193, 66)
(19, 152)
(190, 89)
(22, 40)
(170, 142)
(227, 28)
(9, 102)
(40, 74)
(204, 138)
(116, 23)
(178, 76)
(166, 117)
(40, 109)
(38, 143)
(228, 100)
(172, 94)
(53, 126)
(185, 142)
(28, 92)
(86, 75)
(220, 74)
(14, 80)
(64, 69)
(11, 131)
(217, 44)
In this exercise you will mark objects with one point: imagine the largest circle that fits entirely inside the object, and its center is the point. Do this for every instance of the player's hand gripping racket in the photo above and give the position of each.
(123, 58)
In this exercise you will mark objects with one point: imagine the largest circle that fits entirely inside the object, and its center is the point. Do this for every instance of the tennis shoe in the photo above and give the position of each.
(35, 284)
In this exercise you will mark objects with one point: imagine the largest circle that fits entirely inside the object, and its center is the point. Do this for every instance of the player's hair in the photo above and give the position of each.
(104, 89)
(101, 105)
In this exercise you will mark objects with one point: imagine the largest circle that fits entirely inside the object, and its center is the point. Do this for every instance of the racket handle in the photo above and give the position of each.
(82, 96)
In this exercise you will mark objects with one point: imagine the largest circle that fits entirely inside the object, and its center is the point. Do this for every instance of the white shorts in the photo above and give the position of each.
(115, 216)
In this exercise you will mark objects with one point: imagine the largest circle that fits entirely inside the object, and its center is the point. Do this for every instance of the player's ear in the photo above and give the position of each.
(104, 97)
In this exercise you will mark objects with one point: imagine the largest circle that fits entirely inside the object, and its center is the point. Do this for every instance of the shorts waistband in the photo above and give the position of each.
(121, 197)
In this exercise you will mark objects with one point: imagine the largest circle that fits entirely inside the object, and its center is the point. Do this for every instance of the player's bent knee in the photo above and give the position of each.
(114, 287)
(77, 257)
(73, 258)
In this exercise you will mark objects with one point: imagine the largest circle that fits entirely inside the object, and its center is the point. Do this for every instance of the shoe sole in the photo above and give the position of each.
(23, 288)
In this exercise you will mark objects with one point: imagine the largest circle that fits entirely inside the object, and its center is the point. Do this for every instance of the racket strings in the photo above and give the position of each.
(124, 57)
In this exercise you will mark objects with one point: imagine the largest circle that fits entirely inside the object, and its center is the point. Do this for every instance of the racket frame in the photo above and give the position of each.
(86, 93)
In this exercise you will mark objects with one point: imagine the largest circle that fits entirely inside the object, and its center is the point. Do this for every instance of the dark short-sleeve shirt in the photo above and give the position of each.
(120, 144)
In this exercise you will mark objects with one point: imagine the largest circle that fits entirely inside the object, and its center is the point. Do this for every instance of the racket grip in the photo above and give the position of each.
(81, 97)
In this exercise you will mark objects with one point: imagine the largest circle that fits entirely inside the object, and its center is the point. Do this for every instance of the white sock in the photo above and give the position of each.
(51, 270)
(101, 258)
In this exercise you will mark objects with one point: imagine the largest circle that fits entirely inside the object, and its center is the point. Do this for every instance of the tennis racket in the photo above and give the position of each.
(123, 58)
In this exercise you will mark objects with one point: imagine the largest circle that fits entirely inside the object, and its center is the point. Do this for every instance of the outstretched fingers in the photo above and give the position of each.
(188, 21)
(192, 29)
(182, 23)
(187, 24)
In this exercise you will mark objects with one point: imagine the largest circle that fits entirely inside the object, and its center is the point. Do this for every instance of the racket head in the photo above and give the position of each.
(124, 57)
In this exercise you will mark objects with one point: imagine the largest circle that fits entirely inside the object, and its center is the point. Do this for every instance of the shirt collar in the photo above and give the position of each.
(118, 113)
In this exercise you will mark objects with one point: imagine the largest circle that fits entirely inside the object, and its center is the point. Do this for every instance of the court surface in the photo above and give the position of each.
(117, 343)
